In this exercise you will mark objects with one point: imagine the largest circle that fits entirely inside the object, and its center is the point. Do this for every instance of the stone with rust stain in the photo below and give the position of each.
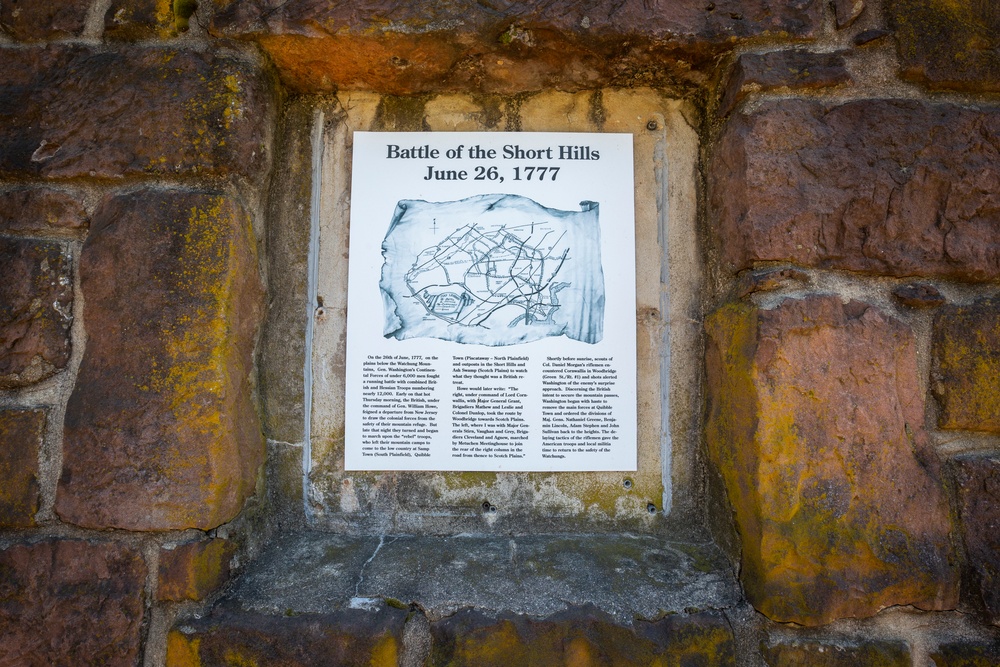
(345, 637)
(73, 111)
(948, 44)
(791, 70)
(977, 480)
(402, 47)
(41, 210)
(836, 653)
(160, 430)
(816, 427)
(891, 187)
(70, 602)
(580, 636)
(194, 570)
(36, 311)
(967, 352)
(20, 440)
(34, 21)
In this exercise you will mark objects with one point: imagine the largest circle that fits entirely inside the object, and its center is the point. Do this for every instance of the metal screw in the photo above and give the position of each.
(627, 483)
(493, 509)
(651, 508)
(652, 126)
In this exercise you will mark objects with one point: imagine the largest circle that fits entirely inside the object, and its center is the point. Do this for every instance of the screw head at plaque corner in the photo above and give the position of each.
(652, 125)
(651, 508)
(627, 483)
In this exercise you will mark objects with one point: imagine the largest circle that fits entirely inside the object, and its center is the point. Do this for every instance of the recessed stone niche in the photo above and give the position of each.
(664, 490)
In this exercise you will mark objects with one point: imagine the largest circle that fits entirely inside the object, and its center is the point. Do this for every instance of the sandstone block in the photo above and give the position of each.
(20, 440)
(581, 636)
(69, 602)
(793, 70)
(948, 45)
(892, 187)
(816, 426)
(77, 111)
(400, 47)
(40, 210)
(194, 570)
(968, 653)
(832, 653)
(36, 311)
(160, 430)
(847, 11)
(977, 479)
(967, 352)
(346, 637)
(53, 19)
(919, 295)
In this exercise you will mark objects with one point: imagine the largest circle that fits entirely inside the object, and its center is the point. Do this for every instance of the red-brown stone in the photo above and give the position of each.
(160, 430)
(77, 111)
(966, 348)
(36, 310)
(977, 478)
(847, 11)
(192, 571)
(793, 70)
(816, 427)
(68, 602)
(20, 440)
(948, 45)
(897, 187)
(29, 20)
(40, 210)
(919, 295)
(402, 47)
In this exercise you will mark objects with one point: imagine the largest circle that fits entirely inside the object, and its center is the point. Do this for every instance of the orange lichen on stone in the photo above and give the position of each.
(194, 570)
(175, 443)
(967, 353)
(816, 426)
(182, 650)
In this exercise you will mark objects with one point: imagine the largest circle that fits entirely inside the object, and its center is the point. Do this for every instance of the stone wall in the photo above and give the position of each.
(846, 419)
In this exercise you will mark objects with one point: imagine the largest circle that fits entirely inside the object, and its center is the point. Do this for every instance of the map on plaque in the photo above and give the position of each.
(491, 303)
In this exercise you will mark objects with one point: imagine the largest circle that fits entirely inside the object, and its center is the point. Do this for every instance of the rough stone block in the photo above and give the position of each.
(20, 440)
(346, 637)
(847, 11)
(160, 430)
(967, 352)
(52, 19)
(36, 311)
(948, 45)
(69, 602)
(40, 210)
(835, 653)
(581, 636)
(142, 19)
(72, 110)
(977, 479)
(793, 70)
(967, 653)
(194, 570)
(402, 47)
(816, 426)
(896, 187)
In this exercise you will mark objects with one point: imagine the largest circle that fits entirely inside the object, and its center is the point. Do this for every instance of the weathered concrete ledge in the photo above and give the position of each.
(626, 576)
(319, 599)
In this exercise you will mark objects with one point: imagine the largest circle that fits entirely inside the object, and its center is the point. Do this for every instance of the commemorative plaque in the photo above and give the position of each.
(491, 303)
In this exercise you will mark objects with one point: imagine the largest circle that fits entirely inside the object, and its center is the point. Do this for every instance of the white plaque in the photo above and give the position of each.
(491, 302)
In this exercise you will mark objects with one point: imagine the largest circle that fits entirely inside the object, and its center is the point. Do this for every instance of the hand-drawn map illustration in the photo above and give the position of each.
(494, 269)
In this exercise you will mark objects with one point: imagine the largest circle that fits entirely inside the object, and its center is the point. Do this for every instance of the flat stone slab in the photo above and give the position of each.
(625, 576)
